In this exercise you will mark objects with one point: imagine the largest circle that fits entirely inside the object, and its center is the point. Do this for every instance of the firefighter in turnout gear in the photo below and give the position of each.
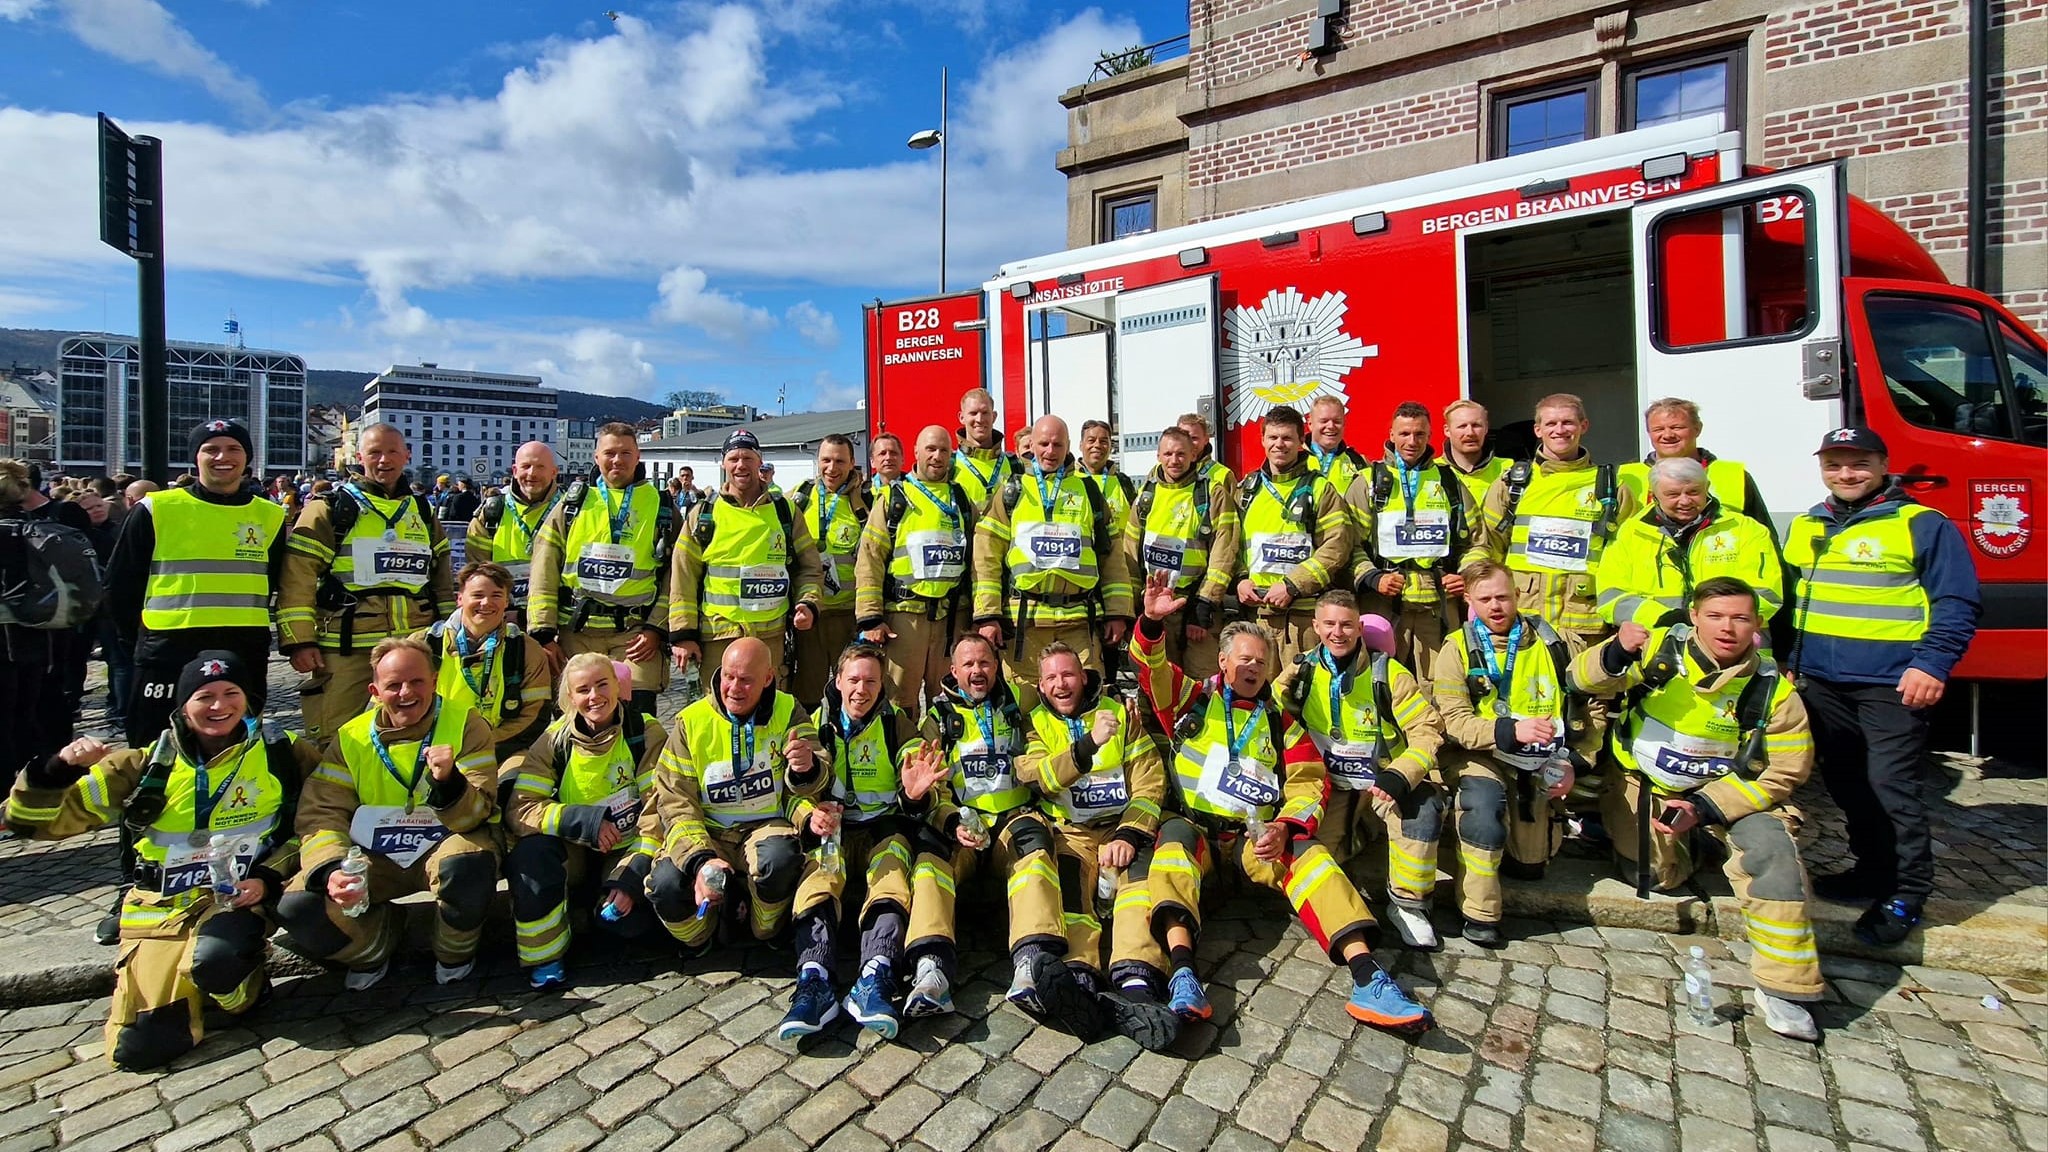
(1044, 567)
(365, 563)
(508, 525)
(1466, 452)
(1297, 538)
(1415, 527)
(737, 763)
(911, 590)
(1378, 735)
(747, 566)
(1196, 426)
(1684, 537)
(576, 811)
(1515, 743)
(1328, 455)
(600, 568)
(210, 772)
(1884, 605)
(1184, 522)
(1098, 468)
(1713, 740)
(982, 463)
(1673, 427)
(413, 783)
(193, 570)
(834, 509)
(1249, 788)
(487, 664)
(873, 815)
(885, 464)
(1102, 788)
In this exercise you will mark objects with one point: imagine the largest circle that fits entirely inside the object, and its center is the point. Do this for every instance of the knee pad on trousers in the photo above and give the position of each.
(1072, 898)
(1029, 834)
(463, 887)
(779, 864)
(1769, 856)
(536, 871)
(304, 917)
(1482, 812)
(1422, 813)
(1178, 831)
(155, 1038)
(220, 962)
(670, 891)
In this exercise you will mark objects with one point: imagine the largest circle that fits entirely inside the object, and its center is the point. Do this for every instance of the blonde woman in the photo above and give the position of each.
(575, 807)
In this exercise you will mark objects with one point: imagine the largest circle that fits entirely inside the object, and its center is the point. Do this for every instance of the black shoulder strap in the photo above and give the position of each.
(707, 523)
(1297, 690)
(666, 528)
(783, 513)
(1605, 491)
(899, 507)
(1382, 703)
(494, 513)
(1382, 485)
(1517, 476)
(1667, 661)
(634, 728)
(1141, 504)
(426, 510)
(342, 512)
(1130, 489)
(1247, 491)
(1013, 491)
(892, 731)
(951, 727)
(1098, 506)
(802, 496)
(572, 503)
(1194, 714)
(277, 754)
(514, 675)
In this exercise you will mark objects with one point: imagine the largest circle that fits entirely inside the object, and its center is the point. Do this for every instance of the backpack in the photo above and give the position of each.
(1752, 708)
(664, 518)
(1382, 696)
(49, 574)
(1301, 506)
(1460, 532)
(857, 502)
(514, 655)
(1477, 681)
(1522, 472)
(1141, 508)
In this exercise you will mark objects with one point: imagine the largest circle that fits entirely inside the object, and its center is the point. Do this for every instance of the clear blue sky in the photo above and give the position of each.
(691, 195)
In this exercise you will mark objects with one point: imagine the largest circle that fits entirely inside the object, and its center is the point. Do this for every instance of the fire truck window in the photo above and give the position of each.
(1733, 273)
(1940, 370)
(2029, 369)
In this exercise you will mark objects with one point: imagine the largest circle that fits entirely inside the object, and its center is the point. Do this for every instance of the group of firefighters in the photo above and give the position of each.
(916, 674)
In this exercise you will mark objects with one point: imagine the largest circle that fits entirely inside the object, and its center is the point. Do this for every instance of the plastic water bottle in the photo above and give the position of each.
(1554, 769)
(714, 883)
(693, 683)
(828, 855)
(609, 913)
(1254, 826)
(220, 869)
(356, 867)
(1699, 988)
(1105, 883)
(975, 823)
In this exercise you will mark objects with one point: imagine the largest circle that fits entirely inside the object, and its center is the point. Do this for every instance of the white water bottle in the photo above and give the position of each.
(975, 823)
(356, 868)
(220, 869)
(829, 857)
(1105, 883)
(1699, 988)
(1254, 826)
(693, 683)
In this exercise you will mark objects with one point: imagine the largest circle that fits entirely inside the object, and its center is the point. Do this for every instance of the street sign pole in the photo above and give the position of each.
(132, 222)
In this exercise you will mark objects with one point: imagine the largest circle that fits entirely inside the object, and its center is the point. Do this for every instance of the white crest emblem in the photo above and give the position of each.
(1999, 524)
(214, 668)
(1287, 351)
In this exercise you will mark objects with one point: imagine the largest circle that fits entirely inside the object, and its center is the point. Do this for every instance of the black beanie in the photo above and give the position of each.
(208, 667)
(228, 428)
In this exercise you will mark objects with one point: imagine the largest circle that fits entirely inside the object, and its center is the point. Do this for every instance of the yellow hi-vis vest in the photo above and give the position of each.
(1556, 525)
(211, 564)
(835, 520)
(979, 472)
(1102, 793)
(615, 566)
(1340, 469)
(929, 548)
(1115, 500)
(1351, 718)
(1278, 533)
(866, 776)
(1176, 526)
(1478, 480)
(1861, 583)
(610, 779)
(981, 744)
(1536, 689)
(511, 539)
(1645, 576)
(1683, 737)
(1727, 481)
(486, 694)
(1052, 552)
(392, 818)
(1208, 779)
(247, 798)
(387, 549)
(747, 564)
(739, 767)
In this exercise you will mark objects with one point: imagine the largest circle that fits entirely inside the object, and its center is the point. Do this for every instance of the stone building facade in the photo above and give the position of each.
(1251, 117)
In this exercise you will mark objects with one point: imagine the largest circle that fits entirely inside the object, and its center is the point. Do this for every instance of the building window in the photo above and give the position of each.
(1667, 90)
(1131, 215)
(1531, 121)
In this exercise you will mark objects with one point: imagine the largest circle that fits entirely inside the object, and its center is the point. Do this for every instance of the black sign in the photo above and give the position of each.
(131, 189)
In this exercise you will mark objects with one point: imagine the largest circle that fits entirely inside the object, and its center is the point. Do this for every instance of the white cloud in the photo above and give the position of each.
(18, 9)
(814, 326)
(829, 393)
(143, 32)
(686, 300)
(600, 360)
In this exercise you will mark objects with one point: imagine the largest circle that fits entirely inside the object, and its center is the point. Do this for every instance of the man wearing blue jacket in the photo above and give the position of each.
(1885, 602)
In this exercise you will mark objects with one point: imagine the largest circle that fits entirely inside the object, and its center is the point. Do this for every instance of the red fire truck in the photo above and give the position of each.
(1627, 268)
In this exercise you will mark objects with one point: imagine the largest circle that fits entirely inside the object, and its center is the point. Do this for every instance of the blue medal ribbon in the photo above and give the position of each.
(1336, 695)
(462, 653)
(204, 799)
(1411, 483)
(1238, 741)
(390, 522)
(620, 515)
(742, 766)
(1502, 673)
(1048, 496)
(419, 764)
(538, 520)
(945, 507)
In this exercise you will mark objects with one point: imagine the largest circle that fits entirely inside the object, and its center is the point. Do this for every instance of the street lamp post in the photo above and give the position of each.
(927, 139)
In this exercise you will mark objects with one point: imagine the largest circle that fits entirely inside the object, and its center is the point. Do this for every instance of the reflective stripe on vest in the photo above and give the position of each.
(1103, 792)
(984, 777)
(1683, 737)
(593, 526)
(934, 535)
(1536, 692)
(1557, 497)
(1862, 583)
(452, 686)
(375, 786)
(1170, 530)
(1266, 522)
(746, 564)
(863, 775)
(1727, 481)
(594, 777)
(248, 806)
(1052, 555)
(210, 567)
(1201, 761)
(745, 793)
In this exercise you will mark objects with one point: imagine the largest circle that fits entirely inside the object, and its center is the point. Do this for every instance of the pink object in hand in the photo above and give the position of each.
(624, 672)
(1377, 632)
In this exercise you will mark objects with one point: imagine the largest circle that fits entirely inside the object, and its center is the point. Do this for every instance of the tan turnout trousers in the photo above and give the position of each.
(740, 848)
(1354, 819)
(373, 935)
(922, 887)
(1052, 896)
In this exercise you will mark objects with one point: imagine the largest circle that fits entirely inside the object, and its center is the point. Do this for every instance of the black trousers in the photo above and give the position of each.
(1871, 749)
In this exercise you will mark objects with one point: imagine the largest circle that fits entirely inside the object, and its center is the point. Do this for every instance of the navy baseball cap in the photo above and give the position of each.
(1854, 439)
(741, 438)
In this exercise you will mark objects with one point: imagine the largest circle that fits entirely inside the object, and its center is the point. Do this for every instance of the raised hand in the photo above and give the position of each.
(1160, 600)
(441, 761)
(925, 769)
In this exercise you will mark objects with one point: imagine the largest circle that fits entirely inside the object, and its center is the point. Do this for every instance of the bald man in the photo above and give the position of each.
(910, 574)
(1046, 565)
(508, 538)
(737, 759)
(133, 494)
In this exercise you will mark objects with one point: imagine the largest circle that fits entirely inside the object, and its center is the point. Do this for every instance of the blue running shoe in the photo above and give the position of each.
(1888, 922)
(548, 976)
(813, 1007)
(1185, 996)
(868, 1003)
(1381, 1003)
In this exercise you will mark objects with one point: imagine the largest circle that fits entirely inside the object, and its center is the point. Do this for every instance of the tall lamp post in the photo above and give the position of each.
(927, 139)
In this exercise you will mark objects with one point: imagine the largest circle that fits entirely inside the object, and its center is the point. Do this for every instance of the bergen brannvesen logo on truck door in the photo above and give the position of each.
(1288, 350)
(1999, 511)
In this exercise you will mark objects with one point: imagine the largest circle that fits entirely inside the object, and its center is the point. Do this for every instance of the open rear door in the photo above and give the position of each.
(1739, 310)
(1165, 364)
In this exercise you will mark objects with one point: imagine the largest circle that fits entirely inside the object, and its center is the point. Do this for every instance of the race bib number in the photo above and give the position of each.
(1278, 554)
(1352, 766)
(1099, 794)
(397, 562)
(728, 791)
(622, 809)
(391, 833)
(764, 588)
(936, 555)
(984, 773)
(1560, 544)
(1053, 547)
(522, 572)
(1162, 554)
(1685, 762)
(185, 866)
(1243, 783)
(1426, 536)
(603, 569)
